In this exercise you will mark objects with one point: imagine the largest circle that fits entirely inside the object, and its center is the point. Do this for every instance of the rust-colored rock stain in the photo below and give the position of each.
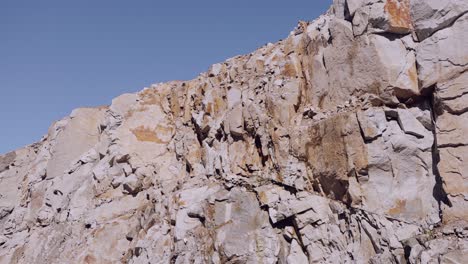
(399, 15)
(146, 134)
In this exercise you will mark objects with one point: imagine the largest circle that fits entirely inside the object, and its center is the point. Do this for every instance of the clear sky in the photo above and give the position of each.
(57, 55)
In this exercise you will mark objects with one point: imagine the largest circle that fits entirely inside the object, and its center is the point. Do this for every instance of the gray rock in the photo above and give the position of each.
(380, 16)
(353, 5)
(453, 94)
(438, 63)
(430, 16)
(410, 124)
(373, 123)
(296, 255)
(6, 160)
(76, 138)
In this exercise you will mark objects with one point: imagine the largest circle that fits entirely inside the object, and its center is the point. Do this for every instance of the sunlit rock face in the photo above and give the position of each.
(346, 142)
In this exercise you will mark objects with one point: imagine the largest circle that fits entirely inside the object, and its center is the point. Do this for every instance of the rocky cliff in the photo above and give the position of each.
(346, 142)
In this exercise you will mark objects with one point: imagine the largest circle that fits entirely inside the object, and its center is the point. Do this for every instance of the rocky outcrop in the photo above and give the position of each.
(343, 143)
(430, 16)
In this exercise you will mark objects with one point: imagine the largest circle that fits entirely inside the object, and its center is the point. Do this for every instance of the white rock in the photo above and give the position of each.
(373, 122)
(78, 136)
(430, 16)
(353, 5)
(234, 96)
(410, 124)
(296, 256)
(438, 63)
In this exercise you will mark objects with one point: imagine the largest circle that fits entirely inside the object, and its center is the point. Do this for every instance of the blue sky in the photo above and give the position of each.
(57, 55)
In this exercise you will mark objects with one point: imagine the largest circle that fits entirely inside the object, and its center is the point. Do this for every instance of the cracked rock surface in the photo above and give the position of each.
(346, 142)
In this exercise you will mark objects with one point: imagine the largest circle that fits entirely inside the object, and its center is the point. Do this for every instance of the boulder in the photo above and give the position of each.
(374, 16)
(436, 62)
(429, 16)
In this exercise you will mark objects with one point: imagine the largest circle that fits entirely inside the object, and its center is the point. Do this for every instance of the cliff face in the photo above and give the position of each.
(346, 142)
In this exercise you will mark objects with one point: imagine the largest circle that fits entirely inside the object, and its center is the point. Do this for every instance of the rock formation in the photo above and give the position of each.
(346, 142)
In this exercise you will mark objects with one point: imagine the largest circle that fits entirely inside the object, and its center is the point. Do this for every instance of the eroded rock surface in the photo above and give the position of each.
(346, 142)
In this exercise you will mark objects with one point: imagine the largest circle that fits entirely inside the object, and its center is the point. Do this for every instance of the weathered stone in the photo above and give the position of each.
(392, 165)
(236, 122)
(430, 16)
(257, 241)
(234, 97)
(371, 64)
(122, 104)
(453, 94)
(6, 160)
(339, 7)
(452, 130)
(353, 5)
(296, 255)
(454, 172)
(336, 149)
(319, 213)
(381, 16)
(79, 135)
(452, 144)
(438, 63)
(410, 124)
(373, 123)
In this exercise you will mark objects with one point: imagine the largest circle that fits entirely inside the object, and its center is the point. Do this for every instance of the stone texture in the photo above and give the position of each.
(6, 160)
(451, 127)
(343, 143)
(453, 94)
(78, 135)
(437, 63)
(375, 16)
(430, 16)
(349, 66)
(372, 122)
(410, 124)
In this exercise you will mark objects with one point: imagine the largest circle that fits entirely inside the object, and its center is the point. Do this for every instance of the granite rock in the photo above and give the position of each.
(345, 142)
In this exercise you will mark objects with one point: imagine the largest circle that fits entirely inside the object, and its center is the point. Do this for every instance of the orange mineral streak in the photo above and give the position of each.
(146, 134)
(289, 70)
(90, 259)
(399, 15)
(413, 75)
(149, 97)
(398, 208)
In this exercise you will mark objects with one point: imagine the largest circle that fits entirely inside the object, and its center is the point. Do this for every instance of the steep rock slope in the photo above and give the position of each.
(343, 143)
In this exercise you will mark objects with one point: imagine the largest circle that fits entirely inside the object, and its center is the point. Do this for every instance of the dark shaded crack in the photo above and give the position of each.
(347, 14)
(202, 134)
(258, 145)
(453, 145)
(452, 63)
(455, 112)
(388, 35)
(438, 192)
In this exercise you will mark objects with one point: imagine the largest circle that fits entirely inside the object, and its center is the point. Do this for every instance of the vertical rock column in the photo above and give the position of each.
(442, 62)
